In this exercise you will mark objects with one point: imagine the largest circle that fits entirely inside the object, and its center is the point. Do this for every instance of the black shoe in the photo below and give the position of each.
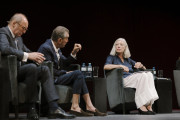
(152, 112)
(32, 115)
(97, 113)
(81, 114)
(59, 113)
(144, 112)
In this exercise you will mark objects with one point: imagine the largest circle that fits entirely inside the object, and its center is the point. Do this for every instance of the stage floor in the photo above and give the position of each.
(175, 115)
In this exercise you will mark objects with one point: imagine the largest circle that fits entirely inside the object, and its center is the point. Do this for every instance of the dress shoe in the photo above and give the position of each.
(97, 113)
(59, 113)
(32, 115)
(81, 114)
(144, 112)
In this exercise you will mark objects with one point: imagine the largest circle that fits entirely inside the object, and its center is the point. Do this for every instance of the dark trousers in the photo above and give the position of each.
(30, 74)
(76, 79)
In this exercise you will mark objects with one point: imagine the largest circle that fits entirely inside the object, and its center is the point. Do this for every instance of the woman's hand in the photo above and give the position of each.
(126, 69)
(139, 65)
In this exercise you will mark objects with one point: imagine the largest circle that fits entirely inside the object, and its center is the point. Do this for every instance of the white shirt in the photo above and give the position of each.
(25, 56)
(56, 50)
(57, 53)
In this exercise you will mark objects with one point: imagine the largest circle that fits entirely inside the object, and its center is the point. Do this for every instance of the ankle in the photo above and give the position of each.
(143, 108)
(149, 108)
(75, 108)
(90, 108)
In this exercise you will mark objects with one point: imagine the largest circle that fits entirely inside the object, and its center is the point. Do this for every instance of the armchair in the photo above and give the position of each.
(17, 91)
(176, 74)
(120, 99)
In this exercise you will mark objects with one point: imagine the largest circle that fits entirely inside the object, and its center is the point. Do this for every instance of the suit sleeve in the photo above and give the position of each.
(66, 61)
(6, 49)
(48, 54)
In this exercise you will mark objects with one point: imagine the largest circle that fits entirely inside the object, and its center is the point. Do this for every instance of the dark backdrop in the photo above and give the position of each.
(150, 28)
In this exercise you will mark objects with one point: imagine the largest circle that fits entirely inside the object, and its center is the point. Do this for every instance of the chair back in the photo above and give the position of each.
(176, 74)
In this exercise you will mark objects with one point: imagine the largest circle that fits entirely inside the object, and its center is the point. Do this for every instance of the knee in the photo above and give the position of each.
(78, 73)
(45, 69)
(147, 76)
(32, 67)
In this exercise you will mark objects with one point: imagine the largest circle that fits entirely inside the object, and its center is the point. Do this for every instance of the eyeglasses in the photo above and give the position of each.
(24, 28)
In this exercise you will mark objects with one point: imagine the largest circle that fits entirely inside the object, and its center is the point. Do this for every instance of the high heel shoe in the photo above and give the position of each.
(151, 111)
(144, 112)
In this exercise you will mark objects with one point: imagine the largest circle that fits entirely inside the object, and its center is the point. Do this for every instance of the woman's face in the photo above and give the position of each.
(120, 47)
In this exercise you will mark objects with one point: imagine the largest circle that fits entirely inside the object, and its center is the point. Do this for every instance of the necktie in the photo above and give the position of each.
(17, 49)
(16, 43)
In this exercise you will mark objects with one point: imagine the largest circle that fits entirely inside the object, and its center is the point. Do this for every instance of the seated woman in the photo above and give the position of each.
(143, 82)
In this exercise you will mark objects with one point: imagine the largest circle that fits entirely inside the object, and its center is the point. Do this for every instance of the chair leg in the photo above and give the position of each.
(39, 109)
(124, 111)
(16, 112)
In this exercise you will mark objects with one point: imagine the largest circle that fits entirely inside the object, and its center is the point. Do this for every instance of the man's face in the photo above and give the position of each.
(62, 42)
(20, 28)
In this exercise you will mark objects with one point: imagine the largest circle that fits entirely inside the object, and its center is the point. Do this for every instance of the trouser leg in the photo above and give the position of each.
(76, 79)
(47, 81)
(28, 75)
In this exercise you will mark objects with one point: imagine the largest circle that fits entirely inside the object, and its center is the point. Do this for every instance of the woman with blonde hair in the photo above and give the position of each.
(143, 82)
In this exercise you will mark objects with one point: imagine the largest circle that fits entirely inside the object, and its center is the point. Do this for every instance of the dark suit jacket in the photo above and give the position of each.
(8, 46)
(49, 53)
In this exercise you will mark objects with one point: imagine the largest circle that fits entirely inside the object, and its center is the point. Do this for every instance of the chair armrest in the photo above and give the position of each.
(115, 87)
(116, 73)
(50, 65)
(73, 67)
(9, 65)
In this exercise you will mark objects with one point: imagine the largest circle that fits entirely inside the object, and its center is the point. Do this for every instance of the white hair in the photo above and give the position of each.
(126, 53)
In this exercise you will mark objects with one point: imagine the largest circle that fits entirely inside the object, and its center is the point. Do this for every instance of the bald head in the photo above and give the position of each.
(18, 17)
(18, 24)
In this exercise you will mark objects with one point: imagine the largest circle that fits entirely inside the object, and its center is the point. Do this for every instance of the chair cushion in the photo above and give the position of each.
(65, 93)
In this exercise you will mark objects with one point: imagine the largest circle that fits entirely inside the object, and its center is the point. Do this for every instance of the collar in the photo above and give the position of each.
(11, 32)
(56, 50)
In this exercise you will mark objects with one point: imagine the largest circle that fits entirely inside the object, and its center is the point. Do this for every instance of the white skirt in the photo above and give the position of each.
(143, 82)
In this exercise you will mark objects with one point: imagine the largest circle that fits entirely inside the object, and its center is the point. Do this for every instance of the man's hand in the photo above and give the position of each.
(36, 56)
(76, 48)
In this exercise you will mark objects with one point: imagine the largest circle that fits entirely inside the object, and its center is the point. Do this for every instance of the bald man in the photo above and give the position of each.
(11, 43)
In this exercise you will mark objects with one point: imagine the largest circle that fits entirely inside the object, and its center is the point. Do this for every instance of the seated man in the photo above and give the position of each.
(11, 43)
(52, 52)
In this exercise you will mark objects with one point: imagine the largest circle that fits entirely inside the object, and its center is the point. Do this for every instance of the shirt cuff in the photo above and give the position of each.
(25, 57)
(74, 56)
